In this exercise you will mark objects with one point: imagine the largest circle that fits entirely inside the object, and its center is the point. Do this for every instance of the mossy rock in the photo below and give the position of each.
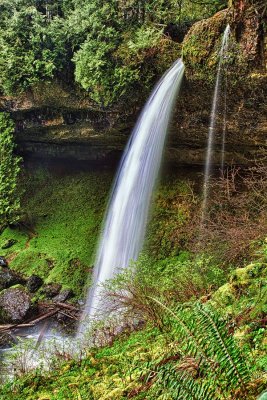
(15, 304)
(225, 295)
(245, 276)
(201, 48)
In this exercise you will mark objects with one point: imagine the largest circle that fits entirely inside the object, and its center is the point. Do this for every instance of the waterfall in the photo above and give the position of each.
(127, 214)
(224, 114)
(213, 116)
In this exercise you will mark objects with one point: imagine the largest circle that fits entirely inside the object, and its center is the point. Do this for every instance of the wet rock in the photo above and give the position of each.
(3, 262)
(51, 290)
(34, 283)
(15, 304)
(9, 243)
(63, 296)
(9, 278)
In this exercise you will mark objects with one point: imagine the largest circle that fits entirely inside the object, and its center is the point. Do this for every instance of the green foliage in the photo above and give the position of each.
(174, 206)
(120, 44)
(144, 38)
(10, 208)
(193, 358)
(31, 48)
(95, 66)
(203, 338)
(99, 74)
(111, 47)
(182, 278)
(64, 215)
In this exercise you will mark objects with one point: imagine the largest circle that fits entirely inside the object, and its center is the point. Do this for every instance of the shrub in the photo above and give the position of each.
(10, 208)
(31, 48)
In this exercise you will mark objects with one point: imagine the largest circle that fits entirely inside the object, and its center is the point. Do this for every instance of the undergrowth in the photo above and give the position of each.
(63, 216)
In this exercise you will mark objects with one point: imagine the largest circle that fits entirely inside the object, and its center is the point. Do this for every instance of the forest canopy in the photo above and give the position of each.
(104, 47)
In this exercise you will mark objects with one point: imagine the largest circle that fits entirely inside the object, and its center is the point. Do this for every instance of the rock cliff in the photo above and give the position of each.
(56, 121)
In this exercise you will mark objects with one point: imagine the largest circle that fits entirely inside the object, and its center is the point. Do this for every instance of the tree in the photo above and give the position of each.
(10, 207)
(31, 47)
(98, 68)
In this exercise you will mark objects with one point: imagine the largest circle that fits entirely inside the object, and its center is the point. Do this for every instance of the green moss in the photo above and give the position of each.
(66, 213)
(201, 48)
(173, 206)
(108, 373)
(245, 276)
(224, 296)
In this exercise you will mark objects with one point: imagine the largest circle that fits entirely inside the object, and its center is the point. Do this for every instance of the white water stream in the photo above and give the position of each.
(213, 117)
(127, 214)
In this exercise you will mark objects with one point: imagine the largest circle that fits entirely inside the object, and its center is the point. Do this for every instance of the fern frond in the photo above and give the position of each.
(186, 331)
(203, 335)
(222, 346)
(184, 387)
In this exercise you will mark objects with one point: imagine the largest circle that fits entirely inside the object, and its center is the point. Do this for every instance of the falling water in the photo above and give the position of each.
(224, 116)
(127, 215)
(213, 116)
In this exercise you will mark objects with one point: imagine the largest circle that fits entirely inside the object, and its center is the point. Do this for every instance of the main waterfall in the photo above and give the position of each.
(127, 213)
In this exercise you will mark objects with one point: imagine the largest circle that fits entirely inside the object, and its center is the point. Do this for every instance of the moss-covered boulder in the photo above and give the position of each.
(15, 304)
(247, 45)
(201, 46)
(245, 295)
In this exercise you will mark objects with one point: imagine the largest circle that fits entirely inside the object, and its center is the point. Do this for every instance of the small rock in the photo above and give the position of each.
(63, 296)
(9, 243)
(51, 289)
(15, 303)
(34, 283)
(9, 278)
(3, 262)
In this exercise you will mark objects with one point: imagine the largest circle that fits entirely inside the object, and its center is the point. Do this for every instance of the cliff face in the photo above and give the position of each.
(246, 131)
(54, 121)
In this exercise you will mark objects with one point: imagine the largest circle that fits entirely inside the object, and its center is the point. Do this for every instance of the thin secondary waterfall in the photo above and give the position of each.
(127, 214)
(208, 161)
(224, 115)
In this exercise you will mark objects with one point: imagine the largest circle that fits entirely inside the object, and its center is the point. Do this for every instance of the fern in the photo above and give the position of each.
(223, 345)
(186, 331)
(203, 335)
(184, 387)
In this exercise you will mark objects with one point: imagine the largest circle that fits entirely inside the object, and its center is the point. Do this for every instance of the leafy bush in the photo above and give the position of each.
(176, 280)
(31, 48)
(10, 208)
(111, 46)
(98, 73)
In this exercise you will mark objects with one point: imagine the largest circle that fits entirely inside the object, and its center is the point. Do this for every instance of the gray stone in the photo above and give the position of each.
(34, 283)
(63, 296)
(3, 262)
(8, 278)
(15, 304)
(51, 290)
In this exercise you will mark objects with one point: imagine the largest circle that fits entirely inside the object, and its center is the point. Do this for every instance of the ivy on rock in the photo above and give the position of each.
(10, 207)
